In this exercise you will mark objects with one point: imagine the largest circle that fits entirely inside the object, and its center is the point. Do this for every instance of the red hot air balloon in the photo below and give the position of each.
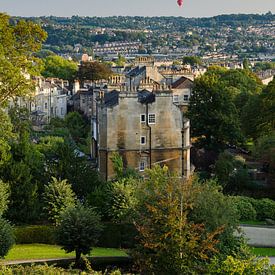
(180, 2)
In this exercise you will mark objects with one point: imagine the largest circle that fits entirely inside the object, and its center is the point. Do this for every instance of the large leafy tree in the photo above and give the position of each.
(93, 71)
(18, 43)
(213, 114)
(57, 66)
(170, 243)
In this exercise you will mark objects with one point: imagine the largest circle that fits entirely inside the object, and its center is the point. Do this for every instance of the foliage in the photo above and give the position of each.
(45, 269)
(215, 210)
(43, 234)
(192, 60)
(79, 230)
(169, 242)
(231, 265)
(18, 42)
(264, 150)
(93, 71)
(24, 172)
(231, 172)
(118, 164)
(6, 237)
(4, 197)
(20, 119)
(58, 196)
(265, 208)
(57, 66)
(213, 114)
(124, 201)
(76, 125)
(62, 161)
(245, 209)
(5, 136)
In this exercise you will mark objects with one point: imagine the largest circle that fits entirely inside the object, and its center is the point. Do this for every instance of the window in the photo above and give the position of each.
(46, 105)
(152, 118)
(142, 118)
(62, 112)
(186, 97)
(175, 98)
(142, 166)
(142, 140)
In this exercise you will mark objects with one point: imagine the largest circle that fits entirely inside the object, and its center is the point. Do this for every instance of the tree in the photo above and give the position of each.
(93, 71)
(58, 196)
(77, 126)
(56, 66)
(6, 237)
(192, 60)
(169, 243)
(18, 43)
(213, 114)
(5, 136)
(24, 171)
(231, 173)
(267, 108)
(264, 150)
(216, 210)
(79, 230)
(4, 197)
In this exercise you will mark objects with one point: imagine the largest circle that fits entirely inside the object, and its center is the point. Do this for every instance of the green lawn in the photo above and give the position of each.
(253, 222)
(263, 251)
(43, 251)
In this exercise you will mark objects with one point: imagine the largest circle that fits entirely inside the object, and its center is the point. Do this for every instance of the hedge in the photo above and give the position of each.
(44, 234)
(113, 235)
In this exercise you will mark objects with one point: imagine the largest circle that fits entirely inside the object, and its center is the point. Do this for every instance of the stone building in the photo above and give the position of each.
(146, 128)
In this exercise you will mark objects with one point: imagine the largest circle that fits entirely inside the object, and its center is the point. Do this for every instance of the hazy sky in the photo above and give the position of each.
(192, 8)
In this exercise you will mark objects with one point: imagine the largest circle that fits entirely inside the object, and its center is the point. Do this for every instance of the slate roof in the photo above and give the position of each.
(145, 97)
(111, 99)
(182, 83)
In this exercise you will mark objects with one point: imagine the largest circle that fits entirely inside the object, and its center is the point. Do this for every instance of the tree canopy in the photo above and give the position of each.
(56, 66)
(18, 43)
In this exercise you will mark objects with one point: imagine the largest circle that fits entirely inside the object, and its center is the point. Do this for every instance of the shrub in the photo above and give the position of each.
(241, 266)
(244, 208)
(265, 209)
(6, 237)
(4, 197)
(35, 234)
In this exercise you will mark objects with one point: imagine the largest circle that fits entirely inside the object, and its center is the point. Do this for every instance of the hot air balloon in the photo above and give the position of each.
(180, 2)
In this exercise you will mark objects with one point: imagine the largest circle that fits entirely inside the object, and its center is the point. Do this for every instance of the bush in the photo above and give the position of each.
(6, 237)
(244, 208)
(118, 236)
(241, 266)
(265, 209)
(35, 234)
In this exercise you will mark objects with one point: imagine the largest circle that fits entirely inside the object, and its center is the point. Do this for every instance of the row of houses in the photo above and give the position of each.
(139, 113)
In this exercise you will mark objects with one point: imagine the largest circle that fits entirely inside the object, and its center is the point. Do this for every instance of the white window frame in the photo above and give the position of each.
(143, 121)
(152, 115)
(142, 166)
(143, 138)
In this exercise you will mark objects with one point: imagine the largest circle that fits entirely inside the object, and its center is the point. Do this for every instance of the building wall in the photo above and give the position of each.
(120, 130)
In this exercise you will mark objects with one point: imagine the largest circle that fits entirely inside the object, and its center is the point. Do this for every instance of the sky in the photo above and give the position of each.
(191, 8)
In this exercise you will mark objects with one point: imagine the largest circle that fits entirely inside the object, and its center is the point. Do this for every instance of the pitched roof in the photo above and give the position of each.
(182, 83)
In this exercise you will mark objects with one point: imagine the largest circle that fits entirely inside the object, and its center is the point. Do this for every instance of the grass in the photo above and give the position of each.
(253, 222)
(263, 251)
(43, 251)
